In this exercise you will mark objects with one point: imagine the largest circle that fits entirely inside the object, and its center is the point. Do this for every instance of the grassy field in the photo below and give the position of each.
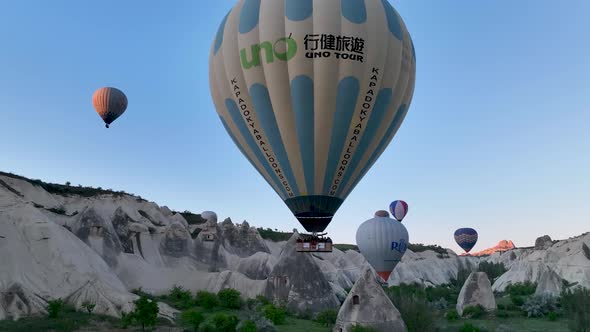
(520, 324)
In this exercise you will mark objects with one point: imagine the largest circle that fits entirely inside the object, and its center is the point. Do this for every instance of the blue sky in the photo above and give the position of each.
(497, 137)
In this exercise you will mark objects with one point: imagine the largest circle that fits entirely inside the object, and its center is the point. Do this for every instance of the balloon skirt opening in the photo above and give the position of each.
(314, 212)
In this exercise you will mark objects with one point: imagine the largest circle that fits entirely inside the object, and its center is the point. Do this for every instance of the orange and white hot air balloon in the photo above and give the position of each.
(110, 103)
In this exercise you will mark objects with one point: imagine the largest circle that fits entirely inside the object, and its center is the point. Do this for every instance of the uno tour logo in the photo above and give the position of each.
(400, 246)
(283, 49)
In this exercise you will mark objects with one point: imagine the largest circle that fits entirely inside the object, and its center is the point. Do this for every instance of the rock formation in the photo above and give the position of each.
(368, 305)
(503, 245)
(297, 281)
(477, 290)
(543, 242)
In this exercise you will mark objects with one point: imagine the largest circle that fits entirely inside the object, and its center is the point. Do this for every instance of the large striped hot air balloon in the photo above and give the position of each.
(466, 238)
(312, 92)
(382, 241)
(398, 210)
(110, 103)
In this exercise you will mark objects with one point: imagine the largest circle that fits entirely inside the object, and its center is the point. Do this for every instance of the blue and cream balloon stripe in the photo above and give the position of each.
(466, 238)
(311, 122)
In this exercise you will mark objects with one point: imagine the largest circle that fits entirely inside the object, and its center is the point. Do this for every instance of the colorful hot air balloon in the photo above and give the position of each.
(110, 103)
(312, 92)
(382, 241)
(398, 210)
(466, 238)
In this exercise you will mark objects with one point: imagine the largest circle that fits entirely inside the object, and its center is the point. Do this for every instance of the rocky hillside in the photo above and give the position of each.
(79, 244)
(76, 243)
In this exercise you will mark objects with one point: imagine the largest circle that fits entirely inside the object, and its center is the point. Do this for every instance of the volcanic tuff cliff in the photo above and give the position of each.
(90, 244)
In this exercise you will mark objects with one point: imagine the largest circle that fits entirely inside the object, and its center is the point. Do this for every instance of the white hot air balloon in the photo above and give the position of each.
(312, 92)
(382, 241)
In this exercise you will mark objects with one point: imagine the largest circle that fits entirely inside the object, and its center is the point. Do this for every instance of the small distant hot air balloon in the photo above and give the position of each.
(110, 103)
(382, 241)
(466, 238)
(398, 209)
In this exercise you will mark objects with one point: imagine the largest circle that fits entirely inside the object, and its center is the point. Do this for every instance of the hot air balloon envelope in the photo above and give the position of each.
(398, 209)
(466, 238)
(382, 213)
(382, 241)
(110, 103)
(312, 92)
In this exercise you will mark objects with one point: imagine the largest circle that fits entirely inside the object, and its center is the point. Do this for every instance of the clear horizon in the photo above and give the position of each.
(496, 138)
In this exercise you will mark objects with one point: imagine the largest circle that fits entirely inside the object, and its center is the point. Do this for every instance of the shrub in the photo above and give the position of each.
(512, 307)
(192, 319)
(474, 311)
(552, 316)
(126, 319)
(327, 317)
(208, 327)
(207, 300)
(468, 327)
(180, 298)
(247, 326)
(262, 299)
(55, 308)
(230, 298)
(576, 305)
(502, 314)
(225, 323)
(521, 288)
(501, 306)
(452, 315)
(441, 292)
(440, 304)
(275, 314)
(89, 306)
(536, 306)
(517, 300)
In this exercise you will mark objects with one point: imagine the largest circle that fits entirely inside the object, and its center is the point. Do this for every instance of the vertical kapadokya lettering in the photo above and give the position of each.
(357, 128)
(254, 129)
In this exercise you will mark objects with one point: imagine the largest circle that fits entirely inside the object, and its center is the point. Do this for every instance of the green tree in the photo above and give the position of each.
(230, 298)
(207, 300)
(180, 298)
(275, 314)
(413, 306)
(576, 306)
(225, 323)
(192, 319)
(146, 312)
